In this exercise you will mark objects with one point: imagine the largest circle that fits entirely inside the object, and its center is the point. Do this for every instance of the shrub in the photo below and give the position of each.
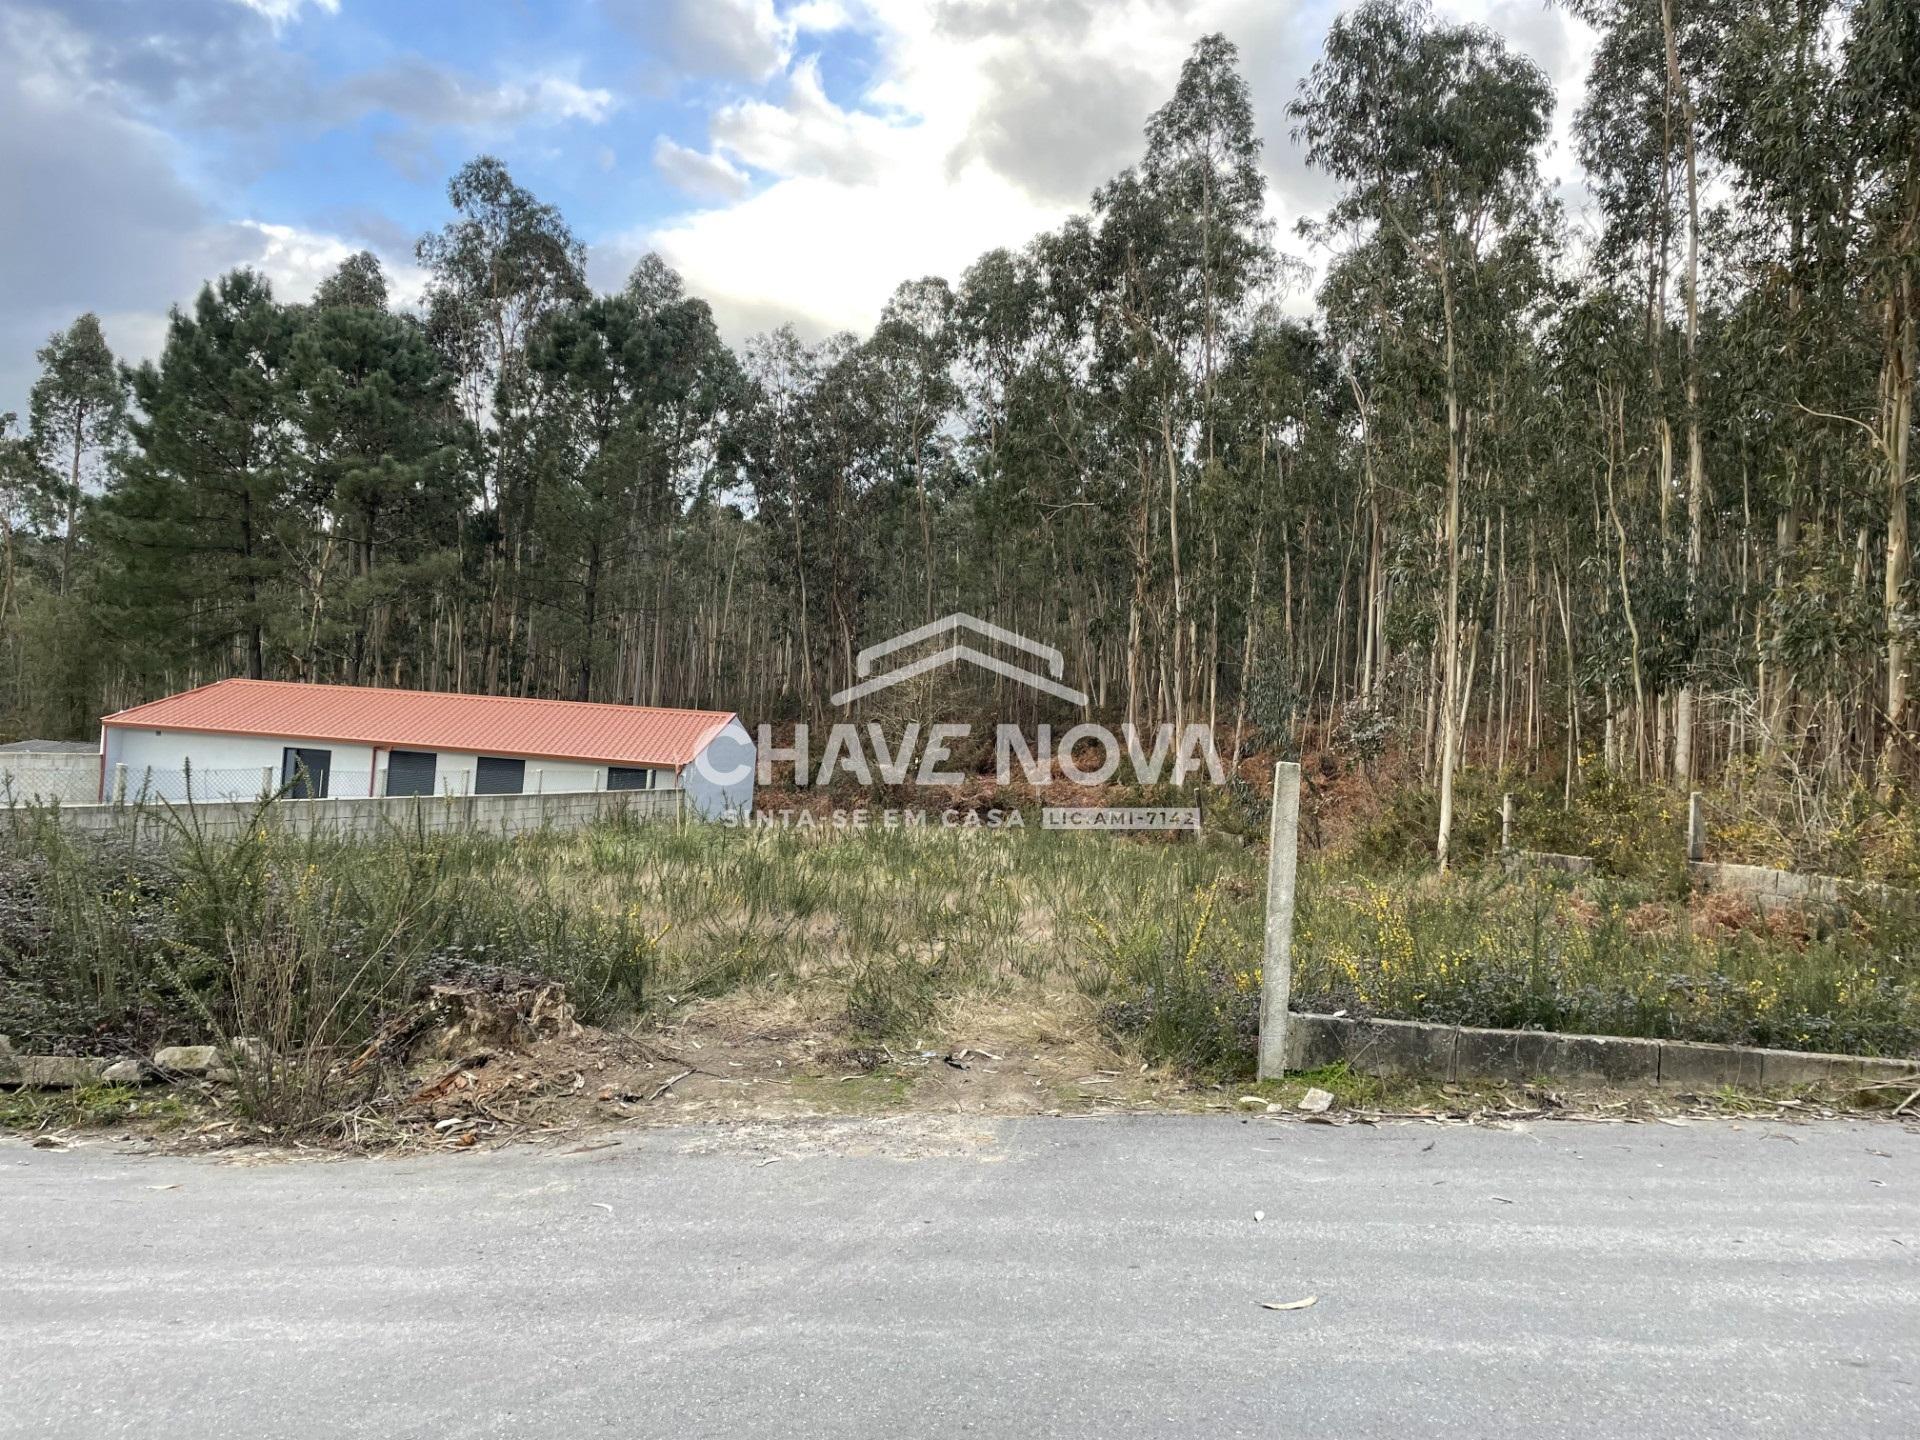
(1188, 982)
(892, 997)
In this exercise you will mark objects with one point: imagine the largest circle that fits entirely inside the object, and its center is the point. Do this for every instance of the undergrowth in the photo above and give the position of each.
(307, 944)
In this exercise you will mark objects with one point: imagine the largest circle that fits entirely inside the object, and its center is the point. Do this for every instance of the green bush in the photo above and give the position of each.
(1184, 981)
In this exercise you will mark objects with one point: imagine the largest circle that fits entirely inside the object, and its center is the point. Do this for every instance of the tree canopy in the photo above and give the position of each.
(1637, 499)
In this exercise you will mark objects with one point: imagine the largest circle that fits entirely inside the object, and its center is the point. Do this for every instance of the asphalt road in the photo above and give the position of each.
(1015, 1277)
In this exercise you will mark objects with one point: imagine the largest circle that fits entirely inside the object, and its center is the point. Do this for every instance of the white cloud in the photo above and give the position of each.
(827, 254)
(430, 94)
(703, 175)
(743, 39)
(554, 97)
(295, 261)
(283, 12)
(807, 134)
(818, 17)
(987, 121)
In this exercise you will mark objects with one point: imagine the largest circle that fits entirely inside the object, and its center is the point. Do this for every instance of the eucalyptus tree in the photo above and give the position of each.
(78, 418)
(1203, 166)
(997, 318)
(782, 373)
(912, 353)
(1529, 514)
(1774, 117)
(497, 270)
(1182, 240)
(1882, 69)
(1432, 129)
(19, 474)
(1641, 123)
(591, 439)
(1280, 410)
(637, 383)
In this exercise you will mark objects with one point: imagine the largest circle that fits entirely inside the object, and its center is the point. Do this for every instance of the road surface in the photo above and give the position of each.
(1046, 1277)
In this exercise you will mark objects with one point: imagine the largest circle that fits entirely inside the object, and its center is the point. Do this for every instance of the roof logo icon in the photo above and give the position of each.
(958, 650)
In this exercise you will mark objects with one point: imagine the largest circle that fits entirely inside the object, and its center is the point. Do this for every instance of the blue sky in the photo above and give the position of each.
(795, 159)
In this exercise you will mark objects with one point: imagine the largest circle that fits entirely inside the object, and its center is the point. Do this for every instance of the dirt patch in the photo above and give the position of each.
(779, 1075)
(892, 1137)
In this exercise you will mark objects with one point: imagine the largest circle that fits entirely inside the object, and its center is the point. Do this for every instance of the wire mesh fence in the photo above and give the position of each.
(155, 786)
(48, 785)
(148, 785)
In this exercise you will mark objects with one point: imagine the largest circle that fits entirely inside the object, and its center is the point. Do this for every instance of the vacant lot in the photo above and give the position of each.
(1114, 952)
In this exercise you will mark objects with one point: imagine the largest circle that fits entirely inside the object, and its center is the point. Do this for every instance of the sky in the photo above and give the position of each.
(793, 159)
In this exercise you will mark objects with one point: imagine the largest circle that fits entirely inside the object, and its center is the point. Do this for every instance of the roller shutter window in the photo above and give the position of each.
(622, 777)
(411, 772)
(496, 776)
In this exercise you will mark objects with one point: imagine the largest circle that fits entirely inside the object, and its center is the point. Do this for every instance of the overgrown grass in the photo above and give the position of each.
(91, 1107)
(309, 943)
(1608, 957)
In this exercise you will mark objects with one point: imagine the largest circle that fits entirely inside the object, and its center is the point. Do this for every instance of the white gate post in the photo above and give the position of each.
(1276, 970)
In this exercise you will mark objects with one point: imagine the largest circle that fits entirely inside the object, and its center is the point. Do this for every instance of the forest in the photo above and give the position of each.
(1630, 495)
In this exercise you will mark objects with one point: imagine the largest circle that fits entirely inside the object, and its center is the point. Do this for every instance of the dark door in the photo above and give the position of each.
(411, 772)
(620, 777)
(495, 776)
(306, 772)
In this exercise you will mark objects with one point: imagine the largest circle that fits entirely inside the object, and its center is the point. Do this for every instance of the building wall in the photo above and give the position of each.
(721, 777)
(230, 767)
(224, 767)
(453, 774)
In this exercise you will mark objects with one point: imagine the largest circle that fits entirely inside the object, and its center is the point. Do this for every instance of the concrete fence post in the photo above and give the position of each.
(1506, 821)
(266, 781)
(1696, 826)
(1276, 971)
(119, 784)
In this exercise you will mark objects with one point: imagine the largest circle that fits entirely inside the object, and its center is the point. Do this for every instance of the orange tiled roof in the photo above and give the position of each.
(435, 720)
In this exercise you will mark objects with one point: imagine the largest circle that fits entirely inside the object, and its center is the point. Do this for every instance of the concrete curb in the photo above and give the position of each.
(1517, 860)
(1767, 886)
(1416, 1049)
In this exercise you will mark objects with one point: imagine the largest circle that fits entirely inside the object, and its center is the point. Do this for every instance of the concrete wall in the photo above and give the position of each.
(1516, 860)
(67, 776)
(1768, 886)
(1447, 1053)
(485, 814)
(721, 777)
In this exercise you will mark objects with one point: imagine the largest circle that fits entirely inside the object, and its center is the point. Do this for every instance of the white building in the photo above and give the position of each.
(239, 739)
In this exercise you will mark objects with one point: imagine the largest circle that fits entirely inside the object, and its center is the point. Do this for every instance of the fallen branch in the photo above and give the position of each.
(668, 1085)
